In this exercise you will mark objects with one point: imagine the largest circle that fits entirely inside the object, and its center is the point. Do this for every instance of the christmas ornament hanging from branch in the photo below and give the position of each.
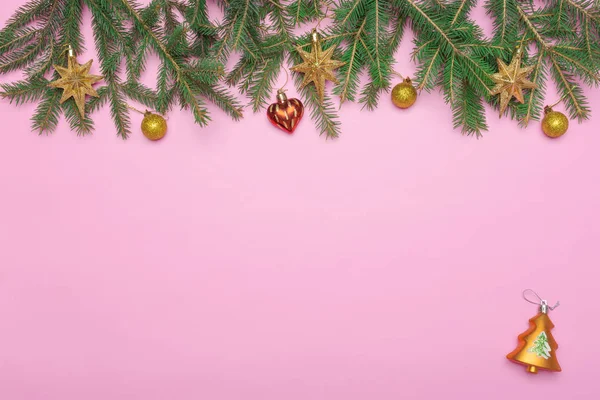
(286, 113)
(318, 65)
(154, 126)
(75, 81)
(511, 79)
(404, 94)
(537, 347)
(555, 124)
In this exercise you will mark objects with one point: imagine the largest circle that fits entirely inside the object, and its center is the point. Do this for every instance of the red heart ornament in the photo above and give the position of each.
(285, 114)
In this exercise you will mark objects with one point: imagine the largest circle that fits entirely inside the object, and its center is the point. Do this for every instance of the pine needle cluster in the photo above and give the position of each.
(261, 31)
(563, 36)
(36, 37)
(452, 54)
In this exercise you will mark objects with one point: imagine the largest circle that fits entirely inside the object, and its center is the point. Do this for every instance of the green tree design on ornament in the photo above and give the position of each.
(541, 347)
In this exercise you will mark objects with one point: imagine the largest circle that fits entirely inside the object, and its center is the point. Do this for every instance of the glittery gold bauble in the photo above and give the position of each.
(154, 126)
(404, 94)
(555, 123)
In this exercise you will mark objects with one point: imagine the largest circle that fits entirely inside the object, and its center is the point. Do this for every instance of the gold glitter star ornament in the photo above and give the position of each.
(511, 79)
(318, 65)
(76, 82)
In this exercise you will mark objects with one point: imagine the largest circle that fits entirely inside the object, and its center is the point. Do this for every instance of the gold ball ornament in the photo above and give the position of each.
(554, 124)
(154, 126)
(404, 94)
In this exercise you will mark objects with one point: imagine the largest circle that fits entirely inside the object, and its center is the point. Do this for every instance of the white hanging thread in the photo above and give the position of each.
(544, 307)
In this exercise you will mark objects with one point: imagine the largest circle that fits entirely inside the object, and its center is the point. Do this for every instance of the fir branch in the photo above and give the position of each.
(243, 68)
(106, 26)
(22, 56)
(42, 65)
(14, 40)
(449, 40)
(453, 82)
(302, 11)
(531, 27)
(26, 14)
(96, 103)
(281, 21)
(575, 101)
(240, 30)
(396, 30)
(350, 71)
(505, 17)
(22, 92)
(185, 87)
(45, 117)
(369, 45)
(431, 64)
(460, 10)
(224, 100)
(470, 115)
(71, 34)
(261, 83)
(140, 93)
(451, 53)
(198, 15)
(533, 106)
(82, 126)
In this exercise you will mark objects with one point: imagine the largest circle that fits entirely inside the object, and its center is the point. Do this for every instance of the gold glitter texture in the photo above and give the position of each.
(76, 82)
(318, 66)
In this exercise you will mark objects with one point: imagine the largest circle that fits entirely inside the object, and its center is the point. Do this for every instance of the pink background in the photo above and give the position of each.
(236, 262)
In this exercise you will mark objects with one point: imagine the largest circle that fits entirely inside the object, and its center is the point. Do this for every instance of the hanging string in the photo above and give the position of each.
(314, 36)
(325, 15)
(559, 100)
(145, 112)
(135, 109)
(541, 302)
(329, 37)
(398, 74)
(68, 49)
(287, 79)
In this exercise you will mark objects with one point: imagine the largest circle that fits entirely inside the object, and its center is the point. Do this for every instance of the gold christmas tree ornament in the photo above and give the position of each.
(75, 81)
(537, 348)
(554, 124)
(318, 65)
(511, 79)
(404, 94)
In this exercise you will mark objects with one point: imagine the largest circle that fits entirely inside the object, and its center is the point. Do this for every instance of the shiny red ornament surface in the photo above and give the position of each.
(286, 113)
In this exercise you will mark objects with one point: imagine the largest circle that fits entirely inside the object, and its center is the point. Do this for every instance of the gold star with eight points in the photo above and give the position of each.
(318, 65)
(511, 80)
(76, 81)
